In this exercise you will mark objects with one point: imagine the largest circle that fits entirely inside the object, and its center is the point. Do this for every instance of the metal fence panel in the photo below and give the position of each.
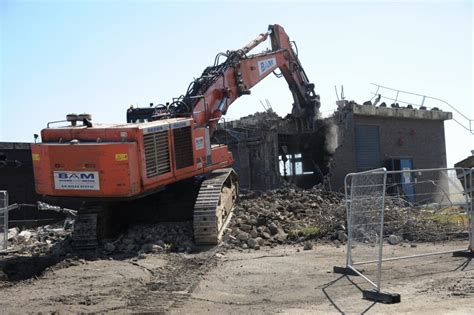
(365, 193)
(394, 215)
(426, 206)
(3, 220)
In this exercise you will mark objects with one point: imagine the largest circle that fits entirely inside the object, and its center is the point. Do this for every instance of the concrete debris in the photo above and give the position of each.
(3, 276)
(24, 236)
(394, 240)
(42, 240)
(151, 248)
(287, 215)
(155, 238)
(307, 245)
(13, 233)
(109, 247)
(341, 236)
(291, 215)
(253, 243)
(422, 224)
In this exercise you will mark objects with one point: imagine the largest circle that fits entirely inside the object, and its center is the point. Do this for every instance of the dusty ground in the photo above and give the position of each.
(283, 279)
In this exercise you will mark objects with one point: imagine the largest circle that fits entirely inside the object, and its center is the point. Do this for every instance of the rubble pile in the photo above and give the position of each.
(154, 238)
(286, 216)
(423, 224)
(42, 240)
(290, 215)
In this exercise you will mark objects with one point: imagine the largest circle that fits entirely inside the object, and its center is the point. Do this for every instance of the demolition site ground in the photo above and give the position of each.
(277, 256)
(284, 279)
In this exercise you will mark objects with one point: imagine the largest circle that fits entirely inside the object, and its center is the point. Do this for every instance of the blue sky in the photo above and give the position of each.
(59, 57)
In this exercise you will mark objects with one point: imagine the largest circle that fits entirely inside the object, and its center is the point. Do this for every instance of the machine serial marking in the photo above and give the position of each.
(35, 157)
(155, 129)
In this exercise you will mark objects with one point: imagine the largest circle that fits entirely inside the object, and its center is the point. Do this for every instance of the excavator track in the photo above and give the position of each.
(84, 235)
(92, 224)
(214, 206)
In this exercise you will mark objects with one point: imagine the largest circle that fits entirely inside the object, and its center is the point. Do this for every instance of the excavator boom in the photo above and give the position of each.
(209, 96)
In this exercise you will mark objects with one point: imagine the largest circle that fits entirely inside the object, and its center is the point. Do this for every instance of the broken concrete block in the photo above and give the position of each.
(243, 236)
(245, 227)
(394, 240)
(341, 236)
(109, 247)
(13, 233)
(253, 243)
(273, 228)
(307, 245)
(3, 276)
(24, 236)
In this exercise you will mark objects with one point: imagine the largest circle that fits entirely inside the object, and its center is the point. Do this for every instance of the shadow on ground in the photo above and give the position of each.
(338, 291)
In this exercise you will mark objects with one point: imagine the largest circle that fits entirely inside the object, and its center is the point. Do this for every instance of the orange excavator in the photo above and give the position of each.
(110, 166)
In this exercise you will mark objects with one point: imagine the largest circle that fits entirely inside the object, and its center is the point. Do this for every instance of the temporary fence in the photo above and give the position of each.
(427, 211)
(3, 220)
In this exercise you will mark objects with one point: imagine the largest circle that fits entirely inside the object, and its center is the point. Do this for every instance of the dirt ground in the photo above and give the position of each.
(284, 279)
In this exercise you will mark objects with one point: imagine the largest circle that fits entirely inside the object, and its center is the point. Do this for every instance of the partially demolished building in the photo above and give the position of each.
(270, 150)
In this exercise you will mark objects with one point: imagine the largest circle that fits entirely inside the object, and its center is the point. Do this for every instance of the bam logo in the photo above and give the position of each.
(76, 176)
(265, 65)
(77, 180)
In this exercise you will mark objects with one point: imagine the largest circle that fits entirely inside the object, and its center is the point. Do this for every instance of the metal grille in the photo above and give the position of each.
(183, 147)
(157, 157)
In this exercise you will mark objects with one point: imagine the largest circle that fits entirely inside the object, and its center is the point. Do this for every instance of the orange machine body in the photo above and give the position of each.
(123, 161)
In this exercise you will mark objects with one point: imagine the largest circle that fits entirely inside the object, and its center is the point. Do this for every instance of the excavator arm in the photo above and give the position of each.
(209, 96)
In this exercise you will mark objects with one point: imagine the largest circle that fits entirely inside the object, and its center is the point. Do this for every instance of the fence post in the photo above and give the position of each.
(379, 264)
(3, 220)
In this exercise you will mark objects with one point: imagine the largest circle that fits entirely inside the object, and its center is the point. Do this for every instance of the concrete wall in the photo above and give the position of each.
(344, 159)
(256, 157)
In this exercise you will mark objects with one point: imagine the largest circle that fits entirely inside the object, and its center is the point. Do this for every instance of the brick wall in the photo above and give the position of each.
(421, 139)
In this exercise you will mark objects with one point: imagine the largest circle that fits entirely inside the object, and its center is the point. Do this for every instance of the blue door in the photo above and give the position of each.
(407, 179)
